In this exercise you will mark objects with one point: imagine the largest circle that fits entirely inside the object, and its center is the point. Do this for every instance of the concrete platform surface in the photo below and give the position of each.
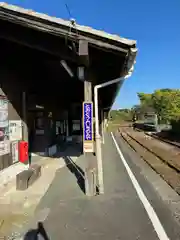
(120, 214)
(17, 207)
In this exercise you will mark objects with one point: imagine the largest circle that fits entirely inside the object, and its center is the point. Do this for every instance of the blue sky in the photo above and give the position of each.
(155, 24)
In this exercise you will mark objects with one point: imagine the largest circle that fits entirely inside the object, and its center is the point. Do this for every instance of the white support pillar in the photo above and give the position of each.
(102, 126)
(98, 137)
(105, 120)
(98, 145)
(105, 124)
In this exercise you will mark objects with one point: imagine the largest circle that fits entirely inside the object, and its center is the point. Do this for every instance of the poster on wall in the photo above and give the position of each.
(4, 126)
(15, 130)
(4, 147)
(14, 151)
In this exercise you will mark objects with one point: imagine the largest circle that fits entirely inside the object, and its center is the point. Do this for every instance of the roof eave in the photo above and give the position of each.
(34, 19)
(128, 72)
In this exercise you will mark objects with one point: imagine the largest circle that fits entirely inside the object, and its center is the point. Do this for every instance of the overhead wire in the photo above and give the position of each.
(72, 25)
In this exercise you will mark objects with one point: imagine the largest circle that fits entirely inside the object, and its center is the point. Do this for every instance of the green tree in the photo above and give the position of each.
(145, 99)
(164, 102)
(120, 115)
(167, 103)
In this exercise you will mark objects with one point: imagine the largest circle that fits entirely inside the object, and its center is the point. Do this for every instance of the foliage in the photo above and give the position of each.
(120, 115)
(140, 110)
(175, 124)
(145, 99)
(164, 102)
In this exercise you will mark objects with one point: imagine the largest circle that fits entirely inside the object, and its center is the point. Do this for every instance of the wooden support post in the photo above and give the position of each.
(24, 122)
(90, 173)
(24, 118)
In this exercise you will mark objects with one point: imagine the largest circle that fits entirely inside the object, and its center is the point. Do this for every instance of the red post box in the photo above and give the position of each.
(23, 151)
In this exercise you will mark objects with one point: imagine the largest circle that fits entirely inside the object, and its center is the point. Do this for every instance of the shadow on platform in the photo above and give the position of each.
(76, 170)
(33, 234)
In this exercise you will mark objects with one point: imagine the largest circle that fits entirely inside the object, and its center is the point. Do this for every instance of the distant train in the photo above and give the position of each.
(150, 119)
(147, 121)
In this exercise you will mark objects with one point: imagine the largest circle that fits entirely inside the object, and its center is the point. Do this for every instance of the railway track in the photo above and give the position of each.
(152, 134)
(168, 169)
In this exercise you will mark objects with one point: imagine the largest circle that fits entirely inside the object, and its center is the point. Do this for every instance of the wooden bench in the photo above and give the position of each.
(22, 179)
(36, 173)
(27, 177)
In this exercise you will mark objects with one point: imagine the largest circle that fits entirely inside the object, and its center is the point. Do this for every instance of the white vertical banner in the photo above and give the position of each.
(15, 151)
(15, 130)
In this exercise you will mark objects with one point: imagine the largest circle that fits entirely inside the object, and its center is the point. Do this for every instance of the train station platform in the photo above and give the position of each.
(121, 213)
